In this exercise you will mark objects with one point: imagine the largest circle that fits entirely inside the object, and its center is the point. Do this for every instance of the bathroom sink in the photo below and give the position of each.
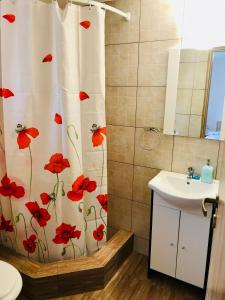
(178, 191)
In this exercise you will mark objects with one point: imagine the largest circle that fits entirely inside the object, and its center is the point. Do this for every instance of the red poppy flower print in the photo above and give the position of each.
(58, 119)
(10, 18)
(8, 188)
(86, 24)
(5, 225)
(80, 185)
(98, 134)
(30, 244)
(57, 163)
(83, 96)
(6, 93)
(47, 58)
(45, 198)
(41, 215)
(23, 139)
(98, 234)
(103, 200)
(65, 232)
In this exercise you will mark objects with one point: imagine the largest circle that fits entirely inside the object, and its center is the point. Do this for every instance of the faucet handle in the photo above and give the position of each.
(190, 171)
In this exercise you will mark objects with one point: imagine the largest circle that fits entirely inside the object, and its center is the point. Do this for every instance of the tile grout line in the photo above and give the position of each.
(134, 86)
(131, 164)
(135, 120)
(142, 42)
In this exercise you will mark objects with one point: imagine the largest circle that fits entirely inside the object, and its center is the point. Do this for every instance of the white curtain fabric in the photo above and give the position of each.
(52, 92)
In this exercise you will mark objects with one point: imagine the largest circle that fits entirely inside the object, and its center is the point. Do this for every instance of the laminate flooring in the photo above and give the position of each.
(131, 282)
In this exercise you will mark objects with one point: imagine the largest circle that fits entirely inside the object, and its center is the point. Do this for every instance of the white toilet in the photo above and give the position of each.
(10, 282)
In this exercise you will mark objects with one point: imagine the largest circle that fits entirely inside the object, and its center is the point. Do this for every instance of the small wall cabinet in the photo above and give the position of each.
(179, 242)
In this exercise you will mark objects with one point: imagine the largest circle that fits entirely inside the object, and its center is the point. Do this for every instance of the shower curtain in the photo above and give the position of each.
(53, 190)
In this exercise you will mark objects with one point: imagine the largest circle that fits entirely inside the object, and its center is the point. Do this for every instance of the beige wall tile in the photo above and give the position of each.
(160, 155)
(188, 55)
(220, 160)
(119, 214)
(202, 55)
(140, 219)
(182, 124)
(120, 179)
(161, 19)
(110, 232)
(117, 29)
(197, 102)
(62, 3)
(141, 245)
(141, 191)
(186, 75)
(183, 104)
(121, 105)
(193, 152)
(195, 125)
(121, 65)
(200, 75)
(121, 143)
(153, 62)
(150, 107)
(194, 55)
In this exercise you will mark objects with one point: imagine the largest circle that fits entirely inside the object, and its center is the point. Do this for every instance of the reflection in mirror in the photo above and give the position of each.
(195, 93)
(191, 92)
(216, 95)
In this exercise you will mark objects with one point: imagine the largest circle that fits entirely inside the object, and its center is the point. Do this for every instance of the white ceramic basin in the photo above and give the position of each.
(174, 189)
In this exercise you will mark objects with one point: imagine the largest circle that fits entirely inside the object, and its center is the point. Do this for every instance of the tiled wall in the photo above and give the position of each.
(136, 68)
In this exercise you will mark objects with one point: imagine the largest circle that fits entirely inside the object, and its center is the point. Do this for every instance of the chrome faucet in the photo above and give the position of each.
(190, 173)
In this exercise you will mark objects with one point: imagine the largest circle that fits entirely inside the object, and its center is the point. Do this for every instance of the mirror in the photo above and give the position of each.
(195, 93)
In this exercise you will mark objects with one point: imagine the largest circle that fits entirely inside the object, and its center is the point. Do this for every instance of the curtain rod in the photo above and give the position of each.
(117, 11)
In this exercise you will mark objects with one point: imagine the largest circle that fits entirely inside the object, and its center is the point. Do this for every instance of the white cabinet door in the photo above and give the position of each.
(165, 226)
(192, 248)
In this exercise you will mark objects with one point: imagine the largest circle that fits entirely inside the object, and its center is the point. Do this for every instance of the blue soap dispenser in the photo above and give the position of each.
(207, 173)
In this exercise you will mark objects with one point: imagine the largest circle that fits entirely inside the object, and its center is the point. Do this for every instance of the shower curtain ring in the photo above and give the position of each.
(90, 5)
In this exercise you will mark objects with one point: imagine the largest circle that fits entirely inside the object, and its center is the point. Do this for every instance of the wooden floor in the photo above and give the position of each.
(131, 282)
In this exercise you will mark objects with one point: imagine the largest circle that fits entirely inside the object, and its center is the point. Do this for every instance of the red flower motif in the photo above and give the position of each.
(23, 140)
(9, 188)
(5, 225)
(83, 96)
(86, 24)
(58, 119)
(45, 198)
(10, 18)
(65, 232)
(103, 200)
(98, 234)
(30, 244)
(47, 58)
(98, 134)
(41, 215)
(6, 93)
(57, 163)
(80, 185)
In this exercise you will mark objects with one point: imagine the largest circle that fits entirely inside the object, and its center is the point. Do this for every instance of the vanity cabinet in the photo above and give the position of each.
(179, 242)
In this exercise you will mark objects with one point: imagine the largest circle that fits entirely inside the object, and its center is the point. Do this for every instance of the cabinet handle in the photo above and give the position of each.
(183, 248)
(171, 244)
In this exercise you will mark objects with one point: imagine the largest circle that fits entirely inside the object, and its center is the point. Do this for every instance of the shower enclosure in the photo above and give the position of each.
(53, 191)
